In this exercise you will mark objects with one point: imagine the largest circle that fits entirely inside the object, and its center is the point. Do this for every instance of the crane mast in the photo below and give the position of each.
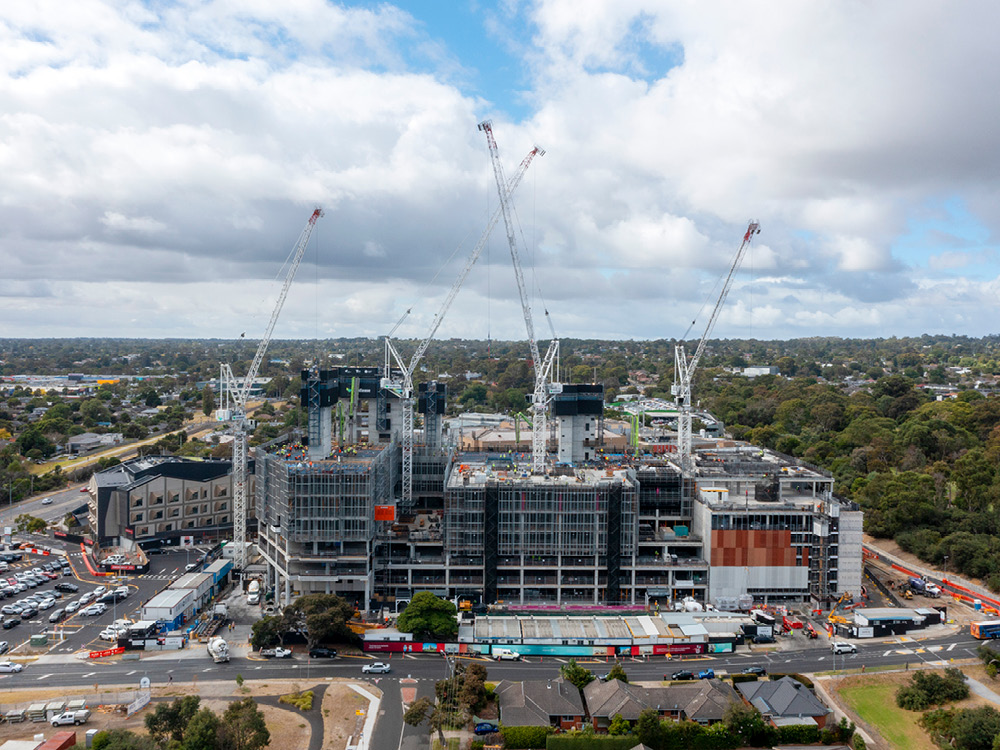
(237, 392)
(543, 369)
(403, 387)
(685, 368)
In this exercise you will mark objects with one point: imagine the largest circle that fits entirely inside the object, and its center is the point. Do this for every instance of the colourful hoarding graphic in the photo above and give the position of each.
(385, 512)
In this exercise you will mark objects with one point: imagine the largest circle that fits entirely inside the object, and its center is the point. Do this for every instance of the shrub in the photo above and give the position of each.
(912, 698)
(801, 678)
(798, 734)
(743, 678)
(858, 742)
(591, 742)
(525, 738)
(302, 701)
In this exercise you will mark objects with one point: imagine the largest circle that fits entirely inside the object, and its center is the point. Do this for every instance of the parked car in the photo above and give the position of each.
(109, 634)
(683, 674)
(844, 648)
(759, 671)
(57, 615)
(87, 598)
(10, 666)
(99, 590)
(322, 653)
(69, 588)
(276, 653)
(485, 727)
(706, 674)
(95, 610)
(11, 609)
(763, 639)
(47, 604)
(11, 622)
(76, 718)
(73, 607)
(376, 667)
(4, 647)
(28, 613)
(154, 551)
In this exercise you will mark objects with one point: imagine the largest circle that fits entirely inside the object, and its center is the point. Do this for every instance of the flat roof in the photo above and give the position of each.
(192, 581)
(518, 471)
(168, 598)
(888, 613)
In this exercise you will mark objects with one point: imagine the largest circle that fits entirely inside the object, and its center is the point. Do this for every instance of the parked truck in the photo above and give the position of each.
(71, 717)
(218, 649)
(276, 653)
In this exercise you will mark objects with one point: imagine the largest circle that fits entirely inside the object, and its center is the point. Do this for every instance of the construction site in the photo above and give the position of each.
(379, 501)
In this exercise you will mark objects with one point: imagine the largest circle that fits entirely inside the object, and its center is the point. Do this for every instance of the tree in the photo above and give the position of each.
(746, 723)
(202, 732)
(207, 401)
(617, 672)
(574, 674)
(619, 727)
(169, 720)
(319, 617)
(29, 523)
(243, 727)
(976, 728)
(267, 631)
(429, 616)
(423, 709)
(649, 728)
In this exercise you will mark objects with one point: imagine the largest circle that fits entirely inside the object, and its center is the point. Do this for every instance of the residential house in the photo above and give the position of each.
(704, 702)
(540, 703)
(785, 702)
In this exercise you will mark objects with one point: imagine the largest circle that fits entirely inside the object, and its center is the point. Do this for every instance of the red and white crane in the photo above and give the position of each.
(235, 394)
(685, 368)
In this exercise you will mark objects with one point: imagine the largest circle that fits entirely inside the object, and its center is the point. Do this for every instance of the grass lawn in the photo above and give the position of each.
(876, 704)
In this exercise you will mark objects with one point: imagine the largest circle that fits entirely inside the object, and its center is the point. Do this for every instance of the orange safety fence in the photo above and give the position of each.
(86, 561)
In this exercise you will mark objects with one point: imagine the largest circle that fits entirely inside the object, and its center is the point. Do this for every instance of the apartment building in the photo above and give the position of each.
(161, 498)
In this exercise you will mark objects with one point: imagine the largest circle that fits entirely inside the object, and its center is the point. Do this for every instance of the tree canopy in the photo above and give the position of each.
(429, 616)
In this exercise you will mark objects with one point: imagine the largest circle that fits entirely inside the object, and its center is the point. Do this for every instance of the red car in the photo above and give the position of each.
(50, 575)
(12, 581)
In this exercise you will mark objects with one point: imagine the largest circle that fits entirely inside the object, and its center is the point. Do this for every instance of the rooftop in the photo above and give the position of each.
(517, 469)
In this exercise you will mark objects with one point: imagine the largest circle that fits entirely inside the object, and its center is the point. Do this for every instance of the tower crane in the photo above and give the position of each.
(401, 384)
(685, 368)
(543, 368)
(237, 392)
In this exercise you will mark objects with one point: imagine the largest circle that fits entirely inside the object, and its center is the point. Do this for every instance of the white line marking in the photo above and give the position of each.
(952, 646)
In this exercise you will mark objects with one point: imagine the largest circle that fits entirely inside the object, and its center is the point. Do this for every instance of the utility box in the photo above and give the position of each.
(89, 738)
(39, 641)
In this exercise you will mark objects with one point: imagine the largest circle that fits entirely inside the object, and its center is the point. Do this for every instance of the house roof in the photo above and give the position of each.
(706, 700)
(782, 698)
(532, 702)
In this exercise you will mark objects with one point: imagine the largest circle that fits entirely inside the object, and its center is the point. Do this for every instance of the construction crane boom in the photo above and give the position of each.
(685, 368)
(543, 368)
(404, 387)
(239, 390)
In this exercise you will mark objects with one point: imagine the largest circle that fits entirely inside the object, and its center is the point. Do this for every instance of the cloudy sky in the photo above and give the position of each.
(158, 161)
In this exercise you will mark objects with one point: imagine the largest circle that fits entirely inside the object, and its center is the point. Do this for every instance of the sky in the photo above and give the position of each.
(159, 160)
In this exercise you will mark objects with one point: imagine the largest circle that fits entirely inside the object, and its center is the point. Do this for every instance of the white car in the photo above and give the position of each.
(95, 610)
(47, 501)
(86, 599)
(47, 604)
(98, 591)
(376, 667)
(122, 591)
(72, 607)
(10, 666)
(109, 634)
(844, 648)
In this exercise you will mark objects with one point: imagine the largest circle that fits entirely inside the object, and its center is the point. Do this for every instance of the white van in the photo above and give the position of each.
(505, 654)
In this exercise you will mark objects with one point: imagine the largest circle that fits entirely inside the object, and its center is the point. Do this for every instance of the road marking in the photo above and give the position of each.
(888, 653)
(904, 650)
(127, 674)
(820, 658)
(952, 646)
(207, 670)
(45, 676)
(562, 661)
(258, 667)
(934, 649)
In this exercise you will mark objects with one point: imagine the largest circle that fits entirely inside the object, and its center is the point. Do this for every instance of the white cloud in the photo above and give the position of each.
(156, 160)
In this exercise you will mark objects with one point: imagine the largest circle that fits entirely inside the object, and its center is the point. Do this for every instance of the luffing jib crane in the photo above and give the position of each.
(401, 384)
(543, 368)
(237, 392)
(684, 369)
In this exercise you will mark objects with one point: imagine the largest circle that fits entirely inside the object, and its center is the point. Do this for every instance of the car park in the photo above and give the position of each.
(10, 666)
(4, 647)
(109, 634)
(376, 667)
(12, 622)
(99, 590)
(54, 594)
(321, 652)
(11, 609)
(683, 674)
(28, 613)
(87, 598)
(154, 551)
